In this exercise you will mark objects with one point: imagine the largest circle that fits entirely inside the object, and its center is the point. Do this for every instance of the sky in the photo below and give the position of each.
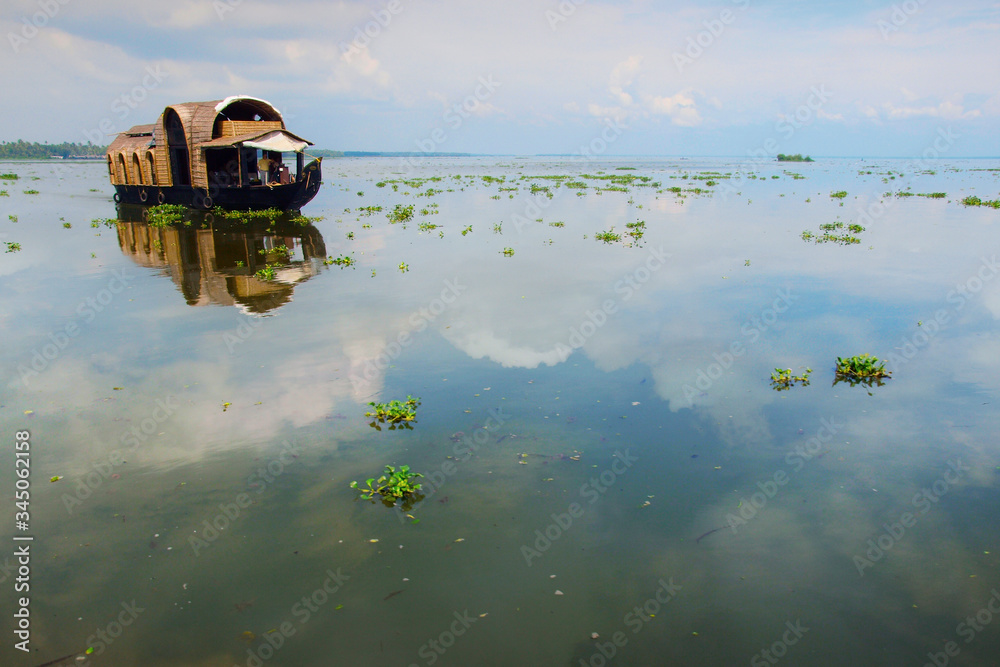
(523, 77)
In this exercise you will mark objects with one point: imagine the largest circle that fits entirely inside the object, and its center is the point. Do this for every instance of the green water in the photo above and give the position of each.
(589, 413)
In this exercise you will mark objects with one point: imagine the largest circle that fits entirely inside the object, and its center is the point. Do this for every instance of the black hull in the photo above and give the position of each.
(291, 196)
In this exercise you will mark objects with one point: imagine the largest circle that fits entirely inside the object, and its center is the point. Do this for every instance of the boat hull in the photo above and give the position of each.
(291, 196)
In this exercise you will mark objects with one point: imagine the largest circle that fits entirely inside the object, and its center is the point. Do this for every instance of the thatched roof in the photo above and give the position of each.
(199, 118)
(128, 142)
(199, 122)
(141, 130)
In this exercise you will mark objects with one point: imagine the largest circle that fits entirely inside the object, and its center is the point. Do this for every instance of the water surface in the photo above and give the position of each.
(617, 394)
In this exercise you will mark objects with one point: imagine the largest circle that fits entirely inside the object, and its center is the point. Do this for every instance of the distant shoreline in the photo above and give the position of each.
(25, 150)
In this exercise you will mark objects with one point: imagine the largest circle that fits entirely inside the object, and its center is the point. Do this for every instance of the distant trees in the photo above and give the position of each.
(21, 150)
(794, 158)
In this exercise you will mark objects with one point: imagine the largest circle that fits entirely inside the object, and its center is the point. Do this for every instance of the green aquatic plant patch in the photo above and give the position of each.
(400, 213)
(392, 486)
(862, 366)
(165, 214)
(782, 379)
(341, 261)
(396, 413)
(834, 232)
(267, 273)
(976, 201)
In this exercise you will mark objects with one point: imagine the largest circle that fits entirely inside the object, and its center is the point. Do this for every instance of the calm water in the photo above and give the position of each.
(590, 412)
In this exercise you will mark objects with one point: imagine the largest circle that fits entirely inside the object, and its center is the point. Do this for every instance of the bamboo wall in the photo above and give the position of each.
(234, 128)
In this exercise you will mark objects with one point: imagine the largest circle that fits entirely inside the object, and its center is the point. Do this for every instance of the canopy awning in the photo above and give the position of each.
(279, 141)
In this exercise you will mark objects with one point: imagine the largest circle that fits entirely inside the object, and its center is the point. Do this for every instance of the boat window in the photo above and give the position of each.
(180, 169)
(151, 167)
(124, 169)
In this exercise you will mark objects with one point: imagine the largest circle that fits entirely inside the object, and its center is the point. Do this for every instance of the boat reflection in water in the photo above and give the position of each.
(215, 261)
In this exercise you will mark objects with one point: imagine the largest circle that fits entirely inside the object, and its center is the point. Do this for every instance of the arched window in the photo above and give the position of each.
(180, 166)
(151, 167)
(111, 170)
(137, 169)
(124, 169)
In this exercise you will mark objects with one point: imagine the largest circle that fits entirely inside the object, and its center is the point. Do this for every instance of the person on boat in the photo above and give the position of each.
(264, 165)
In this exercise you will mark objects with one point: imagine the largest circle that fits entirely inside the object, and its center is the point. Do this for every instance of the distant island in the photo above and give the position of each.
(794, 158)
(22, 150)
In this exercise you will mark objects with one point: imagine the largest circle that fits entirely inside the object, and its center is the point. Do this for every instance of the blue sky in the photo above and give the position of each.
(861, 78)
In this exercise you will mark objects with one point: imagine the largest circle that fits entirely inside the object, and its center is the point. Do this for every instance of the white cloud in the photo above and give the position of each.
(189, 14)
(619, 114)
(946, 110)
(680, 108)
(368, 68)
(992, 106)
(622, 76)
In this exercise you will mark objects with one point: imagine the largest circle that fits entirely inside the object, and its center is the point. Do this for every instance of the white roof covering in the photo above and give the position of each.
(236, 98)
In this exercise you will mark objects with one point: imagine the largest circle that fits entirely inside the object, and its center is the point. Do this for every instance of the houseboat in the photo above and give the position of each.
(229, 153)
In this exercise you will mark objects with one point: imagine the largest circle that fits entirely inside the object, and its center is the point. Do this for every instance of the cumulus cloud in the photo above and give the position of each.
(680, 108)
(621, 77)
(946, 110)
